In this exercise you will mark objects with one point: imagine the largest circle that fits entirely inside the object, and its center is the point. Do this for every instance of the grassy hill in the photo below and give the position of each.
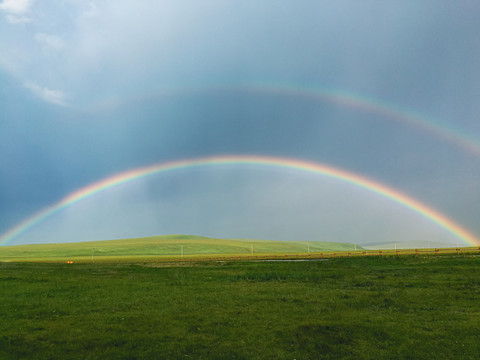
(165, 245)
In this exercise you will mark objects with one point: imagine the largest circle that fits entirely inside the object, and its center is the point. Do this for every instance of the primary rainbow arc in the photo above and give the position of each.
(325, 170)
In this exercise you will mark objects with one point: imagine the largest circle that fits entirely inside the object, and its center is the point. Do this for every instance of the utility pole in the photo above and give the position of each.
(181, 251)
(93, 253)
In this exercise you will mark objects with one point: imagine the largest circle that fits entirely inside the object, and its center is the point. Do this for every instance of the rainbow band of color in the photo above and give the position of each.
(349, 99)
(362, 182)
(447, 132)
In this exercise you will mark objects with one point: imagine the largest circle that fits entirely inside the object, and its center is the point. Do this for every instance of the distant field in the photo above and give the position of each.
(393, 307)
(167, 245)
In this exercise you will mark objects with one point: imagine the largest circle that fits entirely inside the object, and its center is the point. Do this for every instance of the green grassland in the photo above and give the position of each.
(390, 307)
(162, 246)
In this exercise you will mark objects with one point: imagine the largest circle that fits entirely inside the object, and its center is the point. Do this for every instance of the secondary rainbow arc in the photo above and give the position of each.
(448, 132)
(350, 99)
(321, 169)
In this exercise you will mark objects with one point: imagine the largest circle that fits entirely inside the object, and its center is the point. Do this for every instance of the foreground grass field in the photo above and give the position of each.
(403, 307)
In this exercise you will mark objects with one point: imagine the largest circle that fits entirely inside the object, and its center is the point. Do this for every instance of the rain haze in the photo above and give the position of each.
(383, 90)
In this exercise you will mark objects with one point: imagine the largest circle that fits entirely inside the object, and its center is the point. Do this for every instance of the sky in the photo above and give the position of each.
(384, 90)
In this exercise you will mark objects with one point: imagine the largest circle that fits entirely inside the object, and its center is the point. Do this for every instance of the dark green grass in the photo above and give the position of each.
(404, 307)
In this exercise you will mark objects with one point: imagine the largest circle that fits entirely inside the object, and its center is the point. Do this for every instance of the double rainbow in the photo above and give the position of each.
(320, 169)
